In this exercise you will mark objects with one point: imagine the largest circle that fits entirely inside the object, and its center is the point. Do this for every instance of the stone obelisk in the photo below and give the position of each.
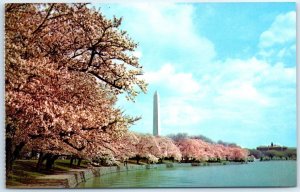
(156, 120)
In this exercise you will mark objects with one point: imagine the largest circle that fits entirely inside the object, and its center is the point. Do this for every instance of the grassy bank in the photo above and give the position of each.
(25, 172)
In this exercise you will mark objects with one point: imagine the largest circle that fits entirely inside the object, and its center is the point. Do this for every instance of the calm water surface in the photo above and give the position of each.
(258, 174)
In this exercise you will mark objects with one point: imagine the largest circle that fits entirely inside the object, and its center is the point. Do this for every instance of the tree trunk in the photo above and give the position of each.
(161, 160)
(40, 161)
(33, 154)
(50, 161)
(17, 150)
(71, 161)
(8, 150)
(79, 161)
(11, 155)
(8, 156)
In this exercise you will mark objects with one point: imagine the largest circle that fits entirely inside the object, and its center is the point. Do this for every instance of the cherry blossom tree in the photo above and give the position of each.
(199, 150)
(147, 147)
(219, 152)
(168, 148)
(65, 64)
(76, 38)
(126, 146)
(237, 154)
(189, 148)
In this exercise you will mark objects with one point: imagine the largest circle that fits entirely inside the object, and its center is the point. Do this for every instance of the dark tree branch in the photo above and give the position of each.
(13, 6)
(9, 7)
(70, 144)
(77, 48)
(57, 16)
(101, 78)
(45, 19)
(85, 69)
(81, 5)
(92, 57)
(63, 134)
(103, 128)
(32, 136)
(100, 39)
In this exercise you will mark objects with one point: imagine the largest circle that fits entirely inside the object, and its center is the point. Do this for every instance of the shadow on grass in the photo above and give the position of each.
(25, 171)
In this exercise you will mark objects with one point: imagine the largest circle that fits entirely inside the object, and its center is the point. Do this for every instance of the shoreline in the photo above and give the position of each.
(74, 177)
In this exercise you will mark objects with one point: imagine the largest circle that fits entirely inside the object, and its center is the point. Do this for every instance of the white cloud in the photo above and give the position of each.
(167, 26)
(233, 88)
(179, 112)
(236, 92)
(178, 82)
(282, 30)
(251, 81)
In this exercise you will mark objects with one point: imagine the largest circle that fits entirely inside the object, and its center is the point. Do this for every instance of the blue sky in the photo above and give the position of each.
(223, 70)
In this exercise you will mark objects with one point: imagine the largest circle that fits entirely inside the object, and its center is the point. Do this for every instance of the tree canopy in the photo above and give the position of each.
(65, 65)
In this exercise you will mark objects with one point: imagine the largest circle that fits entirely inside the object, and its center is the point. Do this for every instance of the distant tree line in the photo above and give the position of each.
(289, 154)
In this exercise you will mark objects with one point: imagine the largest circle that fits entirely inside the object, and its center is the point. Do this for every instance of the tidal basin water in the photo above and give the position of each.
(256, 174)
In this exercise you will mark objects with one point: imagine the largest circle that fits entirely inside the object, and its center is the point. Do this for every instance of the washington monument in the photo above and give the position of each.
(156, 120)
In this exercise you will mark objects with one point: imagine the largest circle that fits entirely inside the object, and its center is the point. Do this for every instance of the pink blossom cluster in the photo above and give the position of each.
(199, 150)
(146, 146)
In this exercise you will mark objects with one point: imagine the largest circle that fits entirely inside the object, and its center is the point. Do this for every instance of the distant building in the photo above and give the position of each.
(272, 147)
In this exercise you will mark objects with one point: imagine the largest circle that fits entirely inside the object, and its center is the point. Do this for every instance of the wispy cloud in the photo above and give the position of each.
(278, 42)
(281, 31)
